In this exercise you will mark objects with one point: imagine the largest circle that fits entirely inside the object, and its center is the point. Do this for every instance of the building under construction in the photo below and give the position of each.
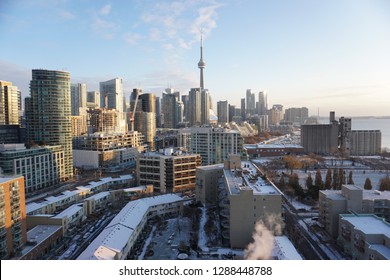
(170, 171)
(107, 150)
(102, 120)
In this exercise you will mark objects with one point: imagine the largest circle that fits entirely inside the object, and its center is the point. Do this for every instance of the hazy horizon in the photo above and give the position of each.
(327, 56)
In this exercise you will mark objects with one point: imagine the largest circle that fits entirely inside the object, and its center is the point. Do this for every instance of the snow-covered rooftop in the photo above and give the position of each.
(70, 211)
(117, 233)
(39, 234)
(284, 249)
(374, 194)
(62, 196)
(381, 249)
(33, 206)
(98, 196)
(7, 179)
(368, 224)
(272, 146)
(249, 179)
(334, 195)
(209, 167)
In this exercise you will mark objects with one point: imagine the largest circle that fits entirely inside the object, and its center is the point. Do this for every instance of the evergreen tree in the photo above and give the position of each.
(341, 178)
(318, 180)
(335, 179)
(293, 181)
(328, 179)
(350, 180)
(367, 184)
(309, 182)
(312, 190)
(384, 183)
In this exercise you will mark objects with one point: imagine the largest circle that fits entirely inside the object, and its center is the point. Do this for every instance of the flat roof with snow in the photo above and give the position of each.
(8, 179)
(211, 167)
(284, 249)
(381, 249)
(272, 146)
(375, 194)
(135, 189)
(250, 178)
(368, 223)
(70, 211)
(33, 206)
(62, 196)
(39, 234)
(98, 196)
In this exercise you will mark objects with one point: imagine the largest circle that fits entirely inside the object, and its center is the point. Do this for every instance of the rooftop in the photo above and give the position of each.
(117, 233)
(37, 235)
(271, 146)
(30, 207)
(334, 195)
(284, 249)
(70, 211)
(211, 167)
(249, 178)
(368, 223)
(98, 196)
(381, 249)
(8, 179)
(375, 194)
(351, 187)
(33, 206)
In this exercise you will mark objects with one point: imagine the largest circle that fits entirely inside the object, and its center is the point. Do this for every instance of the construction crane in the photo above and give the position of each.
(132, 113)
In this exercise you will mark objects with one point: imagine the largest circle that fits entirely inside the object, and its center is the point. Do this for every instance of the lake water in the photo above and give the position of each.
(370, 123)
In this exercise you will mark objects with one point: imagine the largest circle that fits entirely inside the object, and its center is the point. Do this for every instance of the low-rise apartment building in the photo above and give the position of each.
(364, 236)
(349, 199)
(245, 197)
(119, 236)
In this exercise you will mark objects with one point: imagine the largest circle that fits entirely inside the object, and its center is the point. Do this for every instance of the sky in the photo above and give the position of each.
(329, 55)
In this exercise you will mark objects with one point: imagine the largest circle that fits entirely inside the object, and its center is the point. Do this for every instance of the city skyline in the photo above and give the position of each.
(325, 56)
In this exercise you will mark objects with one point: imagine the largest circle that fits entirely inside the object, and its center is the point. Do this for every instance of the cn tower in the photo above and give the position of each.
(201, 63)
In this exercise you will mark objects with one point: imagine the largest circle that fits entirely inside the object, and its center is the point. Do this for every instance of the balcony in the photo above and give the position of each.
(225, 213)
(225, 224)
(224, 203)
(225, 234)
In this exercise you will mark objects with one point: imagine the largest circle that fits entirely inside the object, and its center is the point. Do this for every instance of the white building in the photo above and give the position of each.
(119, 236)
(41, 167)
(51, 204)
(213, 144)
(111, 94)
(364, 237)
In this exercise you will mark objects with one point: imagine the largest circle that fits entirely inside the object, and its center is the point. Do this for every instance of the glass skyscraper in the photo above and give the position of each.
(48, 111)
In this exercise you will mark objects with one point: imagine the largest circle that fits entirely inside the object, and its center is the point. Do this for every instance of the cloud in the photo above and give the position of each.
(132, 38)
(206, 20)
(18, 75)
(104, 28)
(105, 10)
(156, 82)
(154, 34)
(66, 15)
(184, 44)
(177, 20)
(168, 47)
